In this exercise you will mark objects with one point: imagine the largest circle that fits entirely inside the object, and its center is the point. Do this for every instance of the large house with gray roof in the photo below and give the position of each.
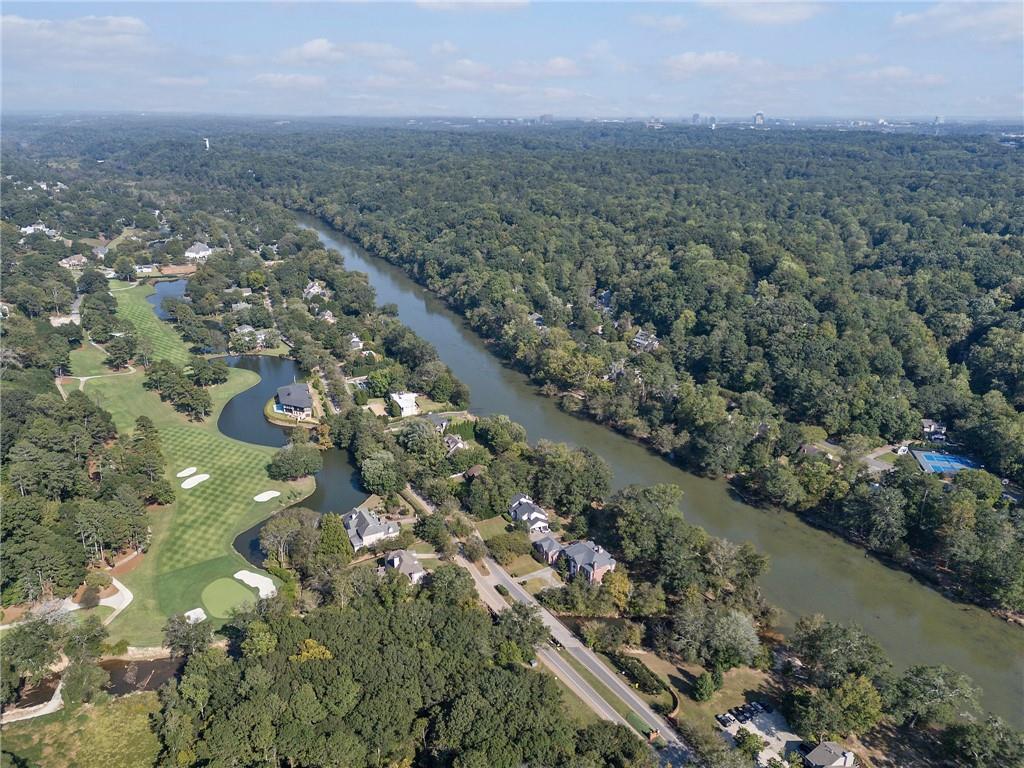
(406, 563)
(295, 400)
(523, 510)
(365, 529)
(589, 560)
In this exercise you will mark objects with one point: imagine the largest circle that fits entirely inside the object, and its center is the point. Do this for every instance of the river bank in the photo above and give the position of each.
(812, 571)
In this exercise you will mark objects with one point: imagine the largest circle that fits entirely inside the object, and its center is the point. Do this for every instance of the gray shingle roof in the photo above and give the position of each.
(587, 553)
(295, 396)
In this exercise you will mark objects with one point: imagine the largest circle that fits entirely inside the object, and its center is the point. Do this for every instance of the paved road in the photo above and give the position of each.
(675, 754)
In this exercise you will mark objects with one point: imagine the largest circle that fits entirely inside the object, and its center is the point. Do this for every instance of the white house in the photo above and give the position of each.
(78, 261)
(313, 288)
(198, 252)
(523, 510)
(407, 402)
(145, 269)
(355, 343)
(453, 443)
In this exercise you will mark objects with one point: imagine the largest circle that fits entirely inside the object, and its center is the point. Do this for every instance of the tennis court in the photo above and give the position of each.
(942, 462)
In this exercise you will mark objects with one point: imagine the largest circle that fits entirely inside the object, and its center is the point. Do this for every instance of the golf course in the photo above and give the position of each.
(190, 562)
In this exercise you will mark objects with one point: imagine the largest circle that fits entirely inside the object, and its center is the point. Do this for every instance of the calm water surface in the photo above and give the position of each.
(811, 571)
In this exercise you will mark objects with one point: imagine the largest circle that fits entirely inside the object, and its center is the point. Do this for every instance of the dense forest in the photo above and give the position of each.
(798, 307)
(730, 298)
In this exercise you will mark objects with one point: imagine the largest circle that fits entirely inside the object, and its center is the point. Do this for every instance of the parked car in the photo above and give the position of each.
(723, 720)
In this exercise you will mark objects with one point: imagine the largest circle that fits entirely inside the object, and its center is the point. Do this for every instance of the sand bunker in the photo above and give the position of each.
(262, 584)
(186, 472)
(195, 480)
(195, 615)
(266, 496)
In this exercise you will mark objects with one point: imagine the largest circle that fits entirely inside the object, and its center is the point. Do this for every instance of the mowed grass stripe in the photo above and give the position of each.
(164, 339)
(191, 545)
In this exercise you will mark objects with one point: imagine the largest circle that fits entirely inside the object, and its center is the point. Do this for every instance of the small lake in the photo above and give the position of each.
(337, 484)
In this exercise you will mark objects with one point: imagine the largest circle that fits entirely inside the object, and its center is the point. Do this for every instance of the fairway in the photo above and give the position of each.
(132, 305)
(87, 360)
(223, 595)
(191, 545)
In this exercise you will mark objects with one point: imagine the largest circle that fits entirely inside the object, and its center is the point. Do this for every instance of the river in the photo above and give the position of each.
(811, 571)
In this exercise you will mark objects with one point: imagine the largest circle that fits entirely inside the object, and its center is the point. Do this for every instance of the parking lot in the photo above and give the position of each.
(770, 726)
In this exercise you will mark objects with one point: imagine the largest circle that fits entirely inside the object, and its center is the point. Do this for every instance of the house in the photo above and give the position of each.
(58, 320)
(355, 343)
(536, 319)
(328, 317)
(78, 261)
(828, 754)
(440, 422)
(198, 252)
(453, 443)
(933, 430)
(475, 471)
(145, 269)
(523, 510)
(406, 563)
(295, 400)
(548, 549)
(644, 341)
(259, 335)
(313, 288)
(365, 529)
(406, 402)
(589, 560)
(100, 252)
(240, 306)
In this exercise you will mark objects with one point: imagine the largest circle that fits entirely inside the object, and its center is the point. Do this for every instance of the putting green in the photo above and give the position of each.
(223, 595)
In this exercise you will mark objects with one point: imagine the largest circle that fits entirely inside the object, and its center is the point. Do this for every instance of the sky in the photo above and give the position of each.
(517, 58)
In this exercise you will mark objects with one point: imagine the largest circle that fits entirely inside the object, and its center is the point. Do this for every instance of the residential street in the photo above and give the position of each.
(675, 754)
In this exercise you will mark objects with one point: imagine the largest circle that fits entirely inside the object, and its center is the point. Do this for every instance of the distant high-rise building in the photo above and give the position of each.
(759, 118)
(695, 120)
(547, 118)
(940, 120)
(713, 122)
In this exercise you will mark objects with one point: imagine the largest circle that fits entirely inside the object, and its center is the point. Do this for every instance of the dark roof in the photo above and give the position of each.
(547, 545)
(587, 553)
(295, 396)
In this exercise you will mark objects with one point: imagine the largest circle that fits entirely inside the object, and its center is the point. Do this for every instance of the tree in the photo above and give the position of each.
(124, 268)
(295, 461)
(704, 688)
(380, 473)
(749, 743)
(934, 695)
(852, 707)
(187, 638)
(120, 351)
(984, 744)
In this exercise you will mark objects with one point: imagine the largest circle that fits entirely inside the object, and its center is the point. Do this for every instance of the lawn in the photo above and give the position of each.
(605, 693)
(87, 360)
(132, 305)
(191, 544)
(522, 566)
(738, 687)
(112, 734)
(491, 527)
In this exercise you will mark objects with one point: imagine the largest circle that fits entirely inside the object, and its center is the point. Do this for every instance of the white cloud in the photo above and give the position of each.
(444, 48)
(469, 68)
(86, 36)
(557, 66)
(182, 82)
(290, 81)
(987, 22)
(452, 83)
(897, 74)
(767, 11)
(690, 64)
(662, 23)
(319, 50)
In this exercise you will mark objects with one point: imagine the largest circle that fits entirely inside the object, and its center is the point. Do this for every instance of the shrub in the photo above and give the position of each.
(638, 673)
